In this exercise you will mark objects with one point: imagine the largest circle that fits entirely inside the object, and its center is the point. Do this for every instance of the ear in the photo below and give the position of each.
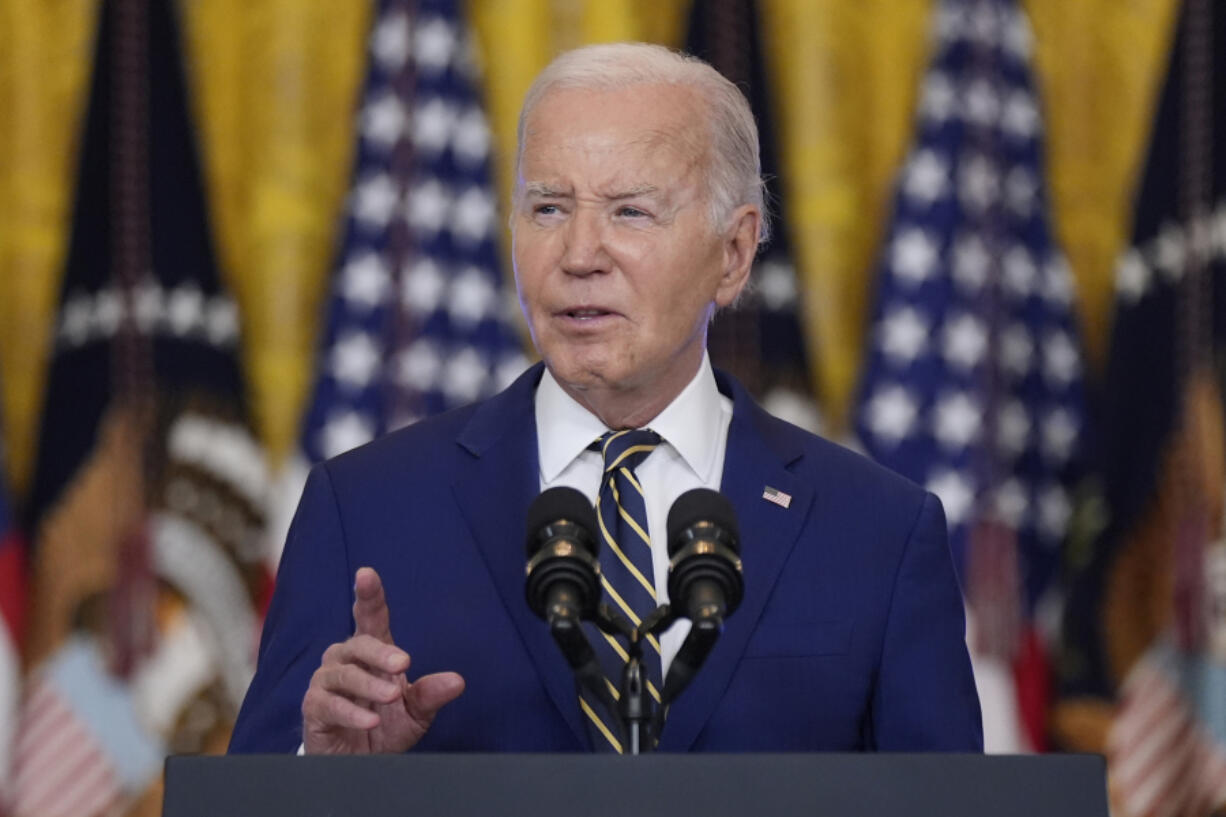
(740, 248)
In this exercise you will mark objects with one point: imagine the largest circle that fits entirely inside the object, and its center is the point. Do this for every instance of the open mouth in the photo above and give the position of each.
(586, 313)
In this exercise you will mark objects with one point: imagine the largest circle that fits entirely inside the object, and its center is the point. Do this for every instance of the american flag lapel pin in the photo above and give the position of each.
(778, 497)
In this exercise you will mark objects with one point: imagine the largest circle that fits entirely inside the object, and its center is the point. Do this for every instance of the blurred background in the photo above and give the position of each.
(241, 236)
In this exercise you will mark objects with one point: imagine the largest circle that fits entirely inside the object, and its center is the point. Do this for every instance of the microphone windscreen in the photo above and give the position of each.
(556, 504)
(700, 505)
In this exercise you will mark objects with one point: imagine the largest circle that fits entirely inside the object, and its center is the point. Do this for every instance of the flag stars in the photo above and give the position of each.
(344, 431)
(474, 215)
(1019, 272)
(465, 376)
(428, 206)
(423, 286)
(1018, 39)
(473, 297)
(927, 178)
(971, 261)
(914, 255)
(432, 124)
(435, 45)
(365, 281)
(938, 98)
(1013, 429)
(1058, 282)
(1054, 512)
(390, 41)
(891, 414)
(1020, 118)
(384, 121)
(981, 103)
(965, 342)
(1061, 362)
(956, 492)
(471, 139)
(1011, 503)
(1016, 350)
(1057, 435)
(355, 360)
(419, 365)
(956, 421)
(978, 184)
(903, 335)
(374, 201)
(1021, 192)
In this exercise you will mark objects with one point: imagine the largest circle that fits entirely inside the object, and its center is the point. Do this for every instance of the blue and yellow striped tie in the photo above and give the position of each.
(625, 562)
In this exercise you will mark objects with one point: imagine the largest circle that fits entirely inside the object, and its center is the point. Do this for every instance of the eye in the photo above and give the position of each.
(545, 209)
(630, 211)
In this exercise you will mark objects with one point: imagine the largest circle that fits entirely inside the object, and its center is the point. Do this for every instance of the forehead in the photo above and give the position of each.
(657, 126)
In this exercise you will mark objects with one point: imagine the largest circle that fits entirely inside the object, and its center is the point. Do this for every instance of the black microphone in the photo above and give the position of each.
(704, 579)
(563, 570)
(704, 564)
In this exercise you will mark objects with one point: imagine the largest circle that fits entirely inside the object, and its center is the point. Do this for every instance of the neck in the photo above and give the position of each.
(631, 407)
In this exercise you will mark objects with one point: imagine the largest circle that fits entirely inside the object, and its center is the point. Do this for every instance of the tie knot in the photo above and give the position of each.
(628, 448)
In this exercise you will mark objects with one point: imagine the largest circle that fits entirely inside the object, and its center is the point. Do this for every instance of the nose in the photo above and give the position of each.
(583, 251)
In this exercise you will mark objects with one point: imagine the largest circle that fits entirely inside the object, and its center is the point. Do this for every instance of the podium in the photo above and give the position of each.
(762, 785)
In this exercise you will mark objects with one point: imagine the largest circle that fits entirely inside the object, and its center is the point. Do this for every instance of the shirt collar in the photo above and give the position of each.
(689, 424)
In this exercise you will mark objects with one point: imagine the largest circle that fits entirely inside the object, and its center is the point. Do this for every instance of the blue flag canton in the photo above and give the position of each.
(419, 321)
(973, 383)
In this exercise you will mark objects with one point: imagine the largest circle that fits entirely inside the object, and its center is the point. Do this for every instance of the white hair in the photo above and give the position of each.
(734, 172)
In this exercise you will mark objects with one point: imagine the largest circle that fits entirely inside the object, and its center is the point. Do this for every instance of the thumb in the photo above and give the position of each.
(428, 694)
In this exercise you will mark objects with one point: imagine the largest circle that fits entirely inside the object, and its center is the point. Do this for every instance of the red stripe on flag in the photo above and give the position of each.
(12, 584)
(60, 768)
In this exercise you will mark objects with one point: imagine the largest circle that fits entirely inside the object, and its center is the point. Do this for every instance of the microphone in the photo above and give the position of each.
(563, 571)
(704, 564)
(704, 578)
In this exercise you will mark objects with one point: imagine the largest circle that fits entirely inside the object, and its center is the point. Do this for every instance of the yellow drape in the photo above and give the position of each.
(275, 83)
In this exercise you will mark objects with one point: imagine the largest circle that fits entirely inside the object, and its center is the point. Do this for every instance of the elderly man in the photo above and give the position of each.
(637, 214)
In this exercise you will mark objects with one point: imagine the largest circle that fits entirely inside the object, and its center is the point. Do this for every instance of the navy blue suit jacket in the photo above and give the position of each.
(850, 635)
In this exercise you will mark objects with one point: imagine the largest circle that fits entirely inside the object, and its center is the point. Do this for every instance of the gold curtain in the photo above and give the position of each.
(275, 83)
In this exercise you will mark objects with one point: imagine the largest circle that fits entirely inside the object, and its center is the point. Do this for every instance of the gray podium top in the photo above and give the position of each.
(456, 785)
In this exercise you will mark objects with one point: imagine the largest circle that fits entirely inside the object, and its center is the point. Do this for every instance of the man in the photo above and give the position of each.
(637, 214)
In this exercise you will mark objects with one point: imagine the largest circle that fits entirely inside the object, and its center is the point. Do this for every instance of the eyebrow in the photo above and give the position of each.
(541, 190)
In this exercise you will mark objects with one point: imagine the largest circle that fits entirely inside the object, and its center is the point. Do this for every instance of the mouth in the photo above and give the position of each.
(585, 313)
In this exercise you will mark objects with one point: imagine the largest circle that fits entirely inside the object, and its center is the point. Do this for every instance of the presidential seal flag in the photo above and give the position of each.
(1143, 675)
(147, 500)
(973, 381)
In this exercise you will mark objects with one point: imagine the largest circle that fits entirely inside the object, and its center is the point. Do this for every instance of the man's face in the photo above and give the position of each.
(617, 263)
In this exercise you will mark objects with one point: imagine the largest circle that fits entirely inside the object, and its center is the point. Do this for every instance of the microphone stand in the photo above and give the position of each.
(640, 721)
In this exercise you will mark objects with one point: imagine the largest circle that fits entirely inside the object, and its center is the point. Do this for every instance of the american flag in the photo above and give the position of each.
(973, 385)
(418, 321)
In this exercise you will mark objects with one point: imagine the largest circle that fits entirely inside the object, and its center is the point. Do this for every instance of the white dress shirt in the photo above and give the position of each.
(694, 432)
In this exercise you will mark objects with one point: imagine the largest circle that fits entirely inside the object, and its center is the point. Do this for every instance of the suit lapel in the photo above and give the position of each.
(493, 496)
(755, 458)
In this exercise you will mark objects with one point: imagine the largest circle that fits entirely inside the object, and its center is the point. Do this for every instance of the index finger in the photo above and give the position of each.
(370, 614)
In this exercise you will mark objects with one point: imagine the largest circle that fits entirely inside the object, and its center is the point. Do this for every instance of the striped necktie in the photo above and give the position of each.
(625, 562)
